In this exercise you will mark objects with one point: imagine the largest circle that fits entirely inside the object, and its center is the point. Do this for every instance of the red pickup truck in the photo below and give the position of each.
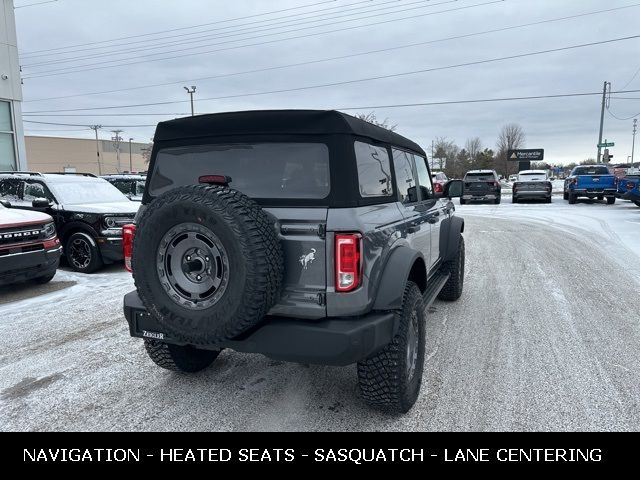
(29, 246)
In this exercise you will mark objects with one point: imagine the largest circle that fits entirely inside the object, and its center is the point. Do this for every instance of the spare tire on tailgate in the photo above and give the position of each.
(207, 263)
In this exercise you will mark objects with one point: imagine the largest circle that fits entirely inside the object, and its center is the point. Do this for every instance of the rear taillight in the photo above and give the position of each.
(348, 261)
(630, 185)
(128, 234)
(438, 187)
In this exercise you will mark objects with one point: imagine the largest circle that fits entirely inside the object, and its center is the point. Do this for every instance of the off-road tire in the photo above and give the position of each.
(453, 288)
(384, 377)
(611, 200)
(565, 196)
(252, 250)
(572, 199)
(637, 204)
(178, 358)
(95, 258)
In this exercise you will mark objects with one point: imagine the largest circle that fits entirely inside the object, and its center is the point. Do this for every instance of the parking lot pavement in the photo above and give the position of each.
(545, 337)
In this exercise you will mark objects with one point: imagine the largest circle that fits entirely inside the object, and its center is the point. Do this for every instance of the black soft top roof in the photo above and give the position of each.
(278, 122)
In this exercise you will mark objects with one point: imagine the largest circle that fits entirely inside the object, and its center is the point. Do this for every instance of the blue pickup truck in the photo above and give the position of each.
(591, 181)
(629, 188)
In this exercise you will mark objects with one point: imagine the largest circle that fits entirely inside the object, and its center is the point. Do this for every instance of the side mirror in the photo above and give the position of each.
(6, 203)
(40, 203)
(453, 189)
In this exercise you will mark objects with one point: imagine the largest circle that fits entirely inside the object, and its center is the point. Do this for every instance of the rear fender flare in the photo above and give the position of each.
(394, 278)
(450, 237)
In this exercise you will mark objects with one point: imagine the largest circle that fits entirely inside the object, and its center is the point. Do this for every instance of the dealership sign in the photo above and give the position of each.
(529, 155)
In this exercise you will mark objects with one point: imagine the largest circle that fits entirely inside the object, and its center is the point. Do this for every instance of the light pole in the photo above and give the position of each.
(633, 143)
(96, 128)
(130, 157)
(604, 103)
(191, 91)
(116, 140)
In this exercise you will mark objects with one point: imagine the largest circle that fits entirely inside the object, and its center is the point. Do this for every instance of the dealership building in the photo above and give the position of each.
(12, 147)
(80, 155)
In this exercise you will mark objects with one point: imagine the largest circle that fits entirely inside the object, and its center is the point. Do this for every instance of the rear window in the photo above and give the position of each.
(374, 170)
(259, 170)
(591, 171)
(479, 177)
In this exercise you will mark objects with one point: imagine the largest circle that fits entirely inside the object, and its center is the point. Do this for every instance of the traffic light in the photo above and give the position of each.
(606, 157)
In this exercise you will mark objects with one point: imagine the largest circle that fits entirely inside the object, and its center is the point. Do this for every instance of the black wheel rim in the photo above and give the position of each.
(412, 345)
(193, 266)
(80, 253)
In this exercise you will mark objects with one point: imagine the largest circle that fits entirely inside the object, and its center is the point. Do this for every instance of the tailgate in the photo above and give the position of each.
(302, 235)
(532, 187)
(596, 181)
(479, 188)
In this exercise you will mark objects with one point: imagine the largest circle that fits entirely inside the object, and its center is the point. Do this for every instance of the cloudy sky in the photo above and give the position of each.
(326, 54)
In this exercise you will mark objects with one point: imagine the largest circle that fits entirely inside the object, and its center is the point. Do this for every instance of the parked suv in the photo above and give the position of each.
(29, 247)
(131, 185)
(307, 236)
(88, 212)
(439, 180)
(481, 186)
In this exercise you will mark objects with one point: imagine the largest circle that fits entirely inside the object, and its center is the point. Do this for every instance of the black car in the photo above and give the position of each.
(481, 186)
(88, 212)
(132, 185)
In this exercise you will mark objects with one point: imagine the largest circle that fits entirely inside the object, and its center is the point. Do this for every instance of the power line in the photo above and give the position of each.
(158, 44)
(80, 69)
(348, 82)
(632, 78)
(619, 118)
(34, 4)
(178, 29)
(322, 60)
(397, 105)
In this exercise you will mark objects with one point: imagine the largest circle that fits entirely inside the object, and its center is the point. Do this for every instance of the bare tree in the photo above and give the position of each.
(511, 137)
(146, 152)
(473, 148)
(372, 118)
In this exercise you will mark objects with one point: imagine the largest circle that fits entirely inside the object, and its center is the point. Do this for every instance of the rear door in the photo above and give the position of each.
(414, 228)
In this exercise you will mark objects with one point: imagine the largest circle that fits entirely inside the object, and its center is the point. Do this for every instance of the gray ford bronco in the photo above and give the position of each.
(306, 236)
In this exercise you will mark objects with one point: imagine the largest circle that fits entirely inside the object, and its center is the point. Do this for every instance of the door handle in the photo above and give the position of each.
(433, 219)
(414, 229)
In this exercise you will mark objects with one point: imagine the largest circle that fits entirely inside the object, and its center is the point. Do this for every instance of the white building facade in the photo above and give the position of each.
(12, 147)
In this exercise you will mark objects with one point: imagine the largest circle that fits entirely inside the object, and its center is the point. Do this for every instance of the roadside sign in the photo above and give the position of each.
(527, 155)
(605, 145)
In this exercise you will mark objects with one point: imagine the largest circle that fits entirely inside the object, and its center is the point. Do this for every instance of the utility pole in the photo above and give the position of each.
(431, 154)
(116, 140)
(96, 128)
(191, 91)
(633, 144)
(604, 101)
(130, 157)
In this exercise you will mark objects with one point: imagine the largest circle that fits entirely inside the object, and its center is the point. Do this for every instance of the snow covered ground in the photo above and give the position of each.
(545, 337)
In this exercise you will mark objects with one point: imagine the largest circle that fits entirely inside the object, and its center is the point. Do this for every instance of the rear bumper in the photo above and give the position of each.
(334, 341)
(532, 194)
(610, 192)
(480, 196)
(21, 267)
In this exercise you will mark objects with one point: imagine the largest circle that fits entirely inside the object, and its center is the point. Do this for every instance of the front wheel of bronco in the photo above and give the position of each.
(178, 358)
(455, 267)
(391, 379)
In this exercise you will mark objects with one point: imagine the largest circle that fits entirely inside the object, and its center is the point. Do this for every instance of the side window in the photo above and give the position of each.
(405, 177)
(33, 190)
(124, 187)
(424, 178)
(374, 171)
(9, 189)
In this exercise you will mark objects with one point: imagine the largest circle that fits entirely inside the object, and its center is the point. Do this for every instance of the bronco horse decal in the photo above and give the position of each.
(306, 260)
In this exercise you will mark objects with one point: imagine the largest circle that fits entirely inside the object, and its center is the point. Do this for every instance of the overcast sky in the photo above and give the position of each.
(248, 35)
